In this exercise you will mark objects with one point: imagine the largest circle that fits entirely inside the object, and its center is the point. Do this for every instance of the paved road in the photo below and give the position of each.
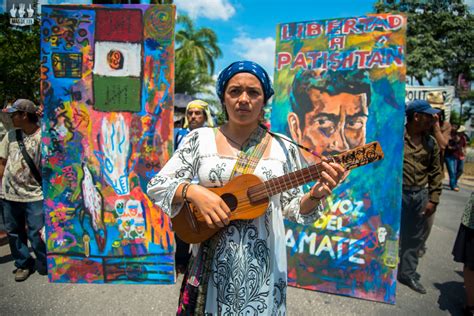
(441, 276)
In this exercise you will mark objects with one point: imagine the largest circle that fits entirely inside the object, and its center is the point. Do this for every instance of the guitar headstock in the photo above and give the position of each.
(360, 156)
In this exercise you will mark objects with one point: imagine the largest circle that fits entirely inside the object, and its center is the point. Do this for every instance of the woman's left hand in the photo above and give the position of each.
(331, 176)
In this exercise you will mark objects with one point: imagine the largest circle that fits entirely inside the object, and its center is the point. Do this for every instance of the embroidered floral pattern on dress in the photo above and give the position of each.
(248, 271)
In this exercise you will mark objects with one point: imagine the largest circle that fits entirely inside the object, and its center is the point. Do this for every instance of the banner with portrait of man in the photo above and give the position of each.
(340, 84)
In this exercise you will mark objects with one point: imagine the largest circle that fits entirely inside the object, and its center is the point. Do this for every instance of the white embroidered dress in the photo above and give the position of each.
(249, 269)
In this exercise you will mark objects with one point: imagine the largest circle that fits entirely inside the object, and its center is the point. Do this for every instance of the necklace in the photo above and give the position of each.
(233, 141)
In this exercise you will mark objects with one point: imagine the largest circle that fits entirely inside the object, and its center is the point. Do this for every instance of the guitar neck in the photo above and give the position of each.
(350, 159)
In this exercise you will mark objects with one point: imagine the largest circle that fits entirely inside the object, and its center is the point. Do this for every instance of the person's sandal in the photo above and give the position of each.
(22, 274)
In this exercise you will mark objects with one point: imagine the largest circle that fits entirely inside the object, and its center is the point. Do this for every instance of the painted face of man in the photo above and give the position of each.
(335, 124)
(196, 118)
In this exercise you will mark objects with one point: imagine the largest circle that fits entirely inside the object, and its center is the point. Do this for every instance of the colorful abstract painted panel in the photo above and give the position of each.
(107, 89)
(339, 84)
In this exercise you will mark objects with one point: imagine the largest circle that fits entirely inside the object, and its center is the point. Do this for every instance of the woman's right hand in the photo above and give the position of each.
(212, 207)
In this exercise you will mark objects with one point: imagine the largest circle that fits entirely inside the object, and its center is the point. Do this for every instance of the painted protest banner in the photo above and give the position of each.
(340, 83)
(421, 92)
(107, 88)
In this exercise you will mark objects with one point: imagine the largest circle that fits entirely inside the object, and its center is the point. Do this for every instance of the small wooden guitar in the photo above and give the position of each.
(248, 196)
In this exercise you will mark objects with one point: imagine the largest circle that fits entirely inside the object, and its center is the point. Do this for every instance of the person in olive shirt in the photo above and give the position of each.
(422, 181)
(441, 131)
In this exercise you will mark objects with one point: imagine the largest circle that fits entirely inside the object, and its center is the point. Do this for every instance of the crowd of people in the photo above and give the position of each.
(243, 145)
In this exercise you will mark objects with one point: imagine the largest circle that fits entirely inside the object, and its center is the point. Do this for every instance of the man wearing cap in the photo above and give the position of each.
(20, 157)
(441, 132)
(197, 114)
(422, 179)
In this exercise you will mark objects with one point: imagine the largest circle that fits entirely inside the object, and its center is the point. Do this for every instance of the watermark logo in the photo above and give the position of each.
(21, 15)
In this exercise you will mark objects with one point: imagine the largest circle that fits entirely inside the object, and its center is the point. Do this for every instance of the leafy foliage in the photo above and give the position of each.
(19, 61)
(460, 118)
(440, 38)
(190, 78)
(198, 44)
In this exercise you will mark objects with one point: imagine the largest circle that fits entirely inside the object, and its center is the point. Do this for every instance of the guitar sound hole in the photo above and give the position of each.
(230, 200)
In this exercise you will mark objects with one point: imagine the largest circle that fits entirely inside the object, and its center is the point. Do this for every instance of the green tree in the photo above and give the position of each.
(198, 44)
(196, 51)
(19, 61)
(440, 38)
(458, 118)
(190, 78)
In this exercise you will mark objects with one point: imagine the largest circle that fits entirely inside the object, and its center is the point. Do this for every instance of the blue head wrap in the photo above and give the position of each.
(244, 66)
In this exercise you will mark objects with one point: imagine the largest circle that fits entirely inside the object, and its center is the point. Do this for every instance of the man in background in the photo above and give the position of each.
(197, 115)
(20, 159)
(422, 180)
(455, 155)
(441, 132)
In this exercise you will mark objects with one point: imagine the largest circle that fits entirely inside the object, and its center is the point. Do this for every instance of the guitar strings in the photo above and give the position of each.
(233, 141)
(302, 147)
(261, 194)
(277, 185)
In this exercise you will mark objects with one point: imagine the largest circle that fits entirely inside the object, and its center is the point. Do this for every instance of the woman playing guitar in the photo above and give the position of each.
(242, 268)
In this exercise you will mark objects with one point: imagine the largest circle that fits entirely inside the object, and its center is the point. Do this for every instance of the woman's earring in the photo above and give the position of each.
(226, 115)
(261, 117)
